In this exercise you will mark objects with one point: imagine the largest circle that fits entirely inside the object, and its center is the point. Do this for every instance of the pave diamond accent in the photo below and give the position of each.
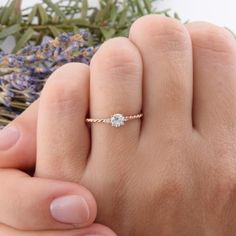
(118, 120)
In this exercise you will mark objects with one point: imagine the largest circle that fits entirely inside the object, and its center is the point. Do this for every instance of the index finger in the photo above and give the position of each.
(18, 140)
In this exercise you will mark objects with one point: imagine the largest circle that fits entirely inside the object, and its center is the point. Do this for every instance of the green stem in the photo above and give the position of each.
(19, 105)
(44, 27)
(4, 122)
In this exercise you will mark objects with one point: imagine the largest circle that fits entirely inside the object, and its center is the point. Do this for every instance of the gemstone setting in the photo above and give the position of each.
(118, 120)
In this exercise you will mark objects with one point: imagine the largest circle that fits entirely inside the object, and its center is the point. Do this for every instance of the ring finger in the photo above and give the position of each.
(115, 87)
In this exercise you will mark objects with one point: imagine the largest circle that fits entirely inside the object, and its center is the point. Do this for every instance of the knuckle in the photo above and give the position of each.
(173, 185)
(222, 195)
(167, 33)
(118, 56)
(212, 38)
(171, 190)
(220, 183)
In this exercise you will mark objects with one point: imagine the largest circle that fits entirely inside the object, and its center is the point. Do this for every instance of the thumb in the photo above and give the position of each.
(18, 140)
(30, 203)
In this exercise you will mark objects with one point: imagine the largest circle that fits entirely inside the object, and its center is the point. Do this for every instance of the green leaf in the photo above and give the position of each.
(54, 16)
(76, 29)
(8, 13)
(24, 39)
(32, 14)
(55, 8)
(124, 33)
(84, 9)
(1, 11)
(108, 33)
(104, 13)
(131, 3)
(140, 8)
(148, 6)
(113, 13)
(123, 17)
(55, 19)
(43, 15)
(79, 22)
(10, 31)
(54, 30)
(15, 16)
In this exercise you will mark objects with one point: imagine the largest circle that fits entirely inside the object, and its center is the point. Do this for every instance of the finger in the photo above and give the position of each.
(165, 45)
(28, 203)
(214, 78)
(115, 87)
(63, 136)
(92, 230)
(18, 140)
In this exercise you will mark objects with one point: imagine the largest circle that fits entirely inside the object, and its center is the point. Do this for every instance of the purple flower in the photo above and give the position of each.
(23, 75)
(65, 37)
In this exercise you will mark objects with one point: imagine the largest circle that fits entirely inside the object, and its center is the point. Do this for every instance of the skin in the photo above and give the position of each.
(170, 173)
(20, 214)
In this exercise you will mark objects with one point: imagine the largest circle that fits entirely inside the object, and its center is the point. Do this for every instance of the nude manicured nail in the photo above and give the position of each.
(8, 137)
(70, 209)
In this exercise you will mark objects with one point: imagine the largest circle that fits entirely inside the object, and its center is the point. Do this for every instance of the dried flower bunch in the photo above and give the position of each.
(79, 30)
(106, 19)
(22, 75)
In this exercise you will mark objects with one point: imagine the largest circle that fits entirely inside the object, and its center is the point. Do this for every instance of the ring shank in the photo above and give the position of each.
(108, 120)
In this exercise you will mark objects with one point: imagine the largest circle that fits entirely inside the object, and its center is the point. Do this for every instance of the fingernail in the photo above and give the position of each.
(70, 209)
(8, 137)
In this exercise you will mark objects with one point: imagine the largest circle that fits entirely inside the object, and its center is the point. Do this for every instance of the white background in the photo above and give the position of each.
(221, 12)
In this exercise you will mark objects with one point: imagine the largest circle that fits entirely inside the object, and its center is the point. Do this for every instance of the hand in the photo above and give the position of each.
(170, 173)
(26, 201)
(173, 172)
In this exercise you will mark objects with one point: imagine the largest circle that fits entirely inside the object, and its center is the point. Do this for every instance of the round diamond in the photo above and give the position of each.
(117, 120)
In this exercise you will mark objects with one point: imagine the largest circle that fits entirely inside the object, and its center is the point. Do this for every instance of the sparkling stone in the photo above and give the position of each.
(117, 120)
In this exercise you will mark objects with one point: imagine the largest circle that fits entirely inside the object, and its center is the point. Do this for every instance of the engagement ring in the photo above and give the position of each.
(116, 120)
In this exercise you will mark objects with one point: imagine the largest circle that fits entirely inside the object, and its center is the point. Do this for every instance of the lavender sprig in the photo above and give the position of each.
(106, 19)
(23, 75)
